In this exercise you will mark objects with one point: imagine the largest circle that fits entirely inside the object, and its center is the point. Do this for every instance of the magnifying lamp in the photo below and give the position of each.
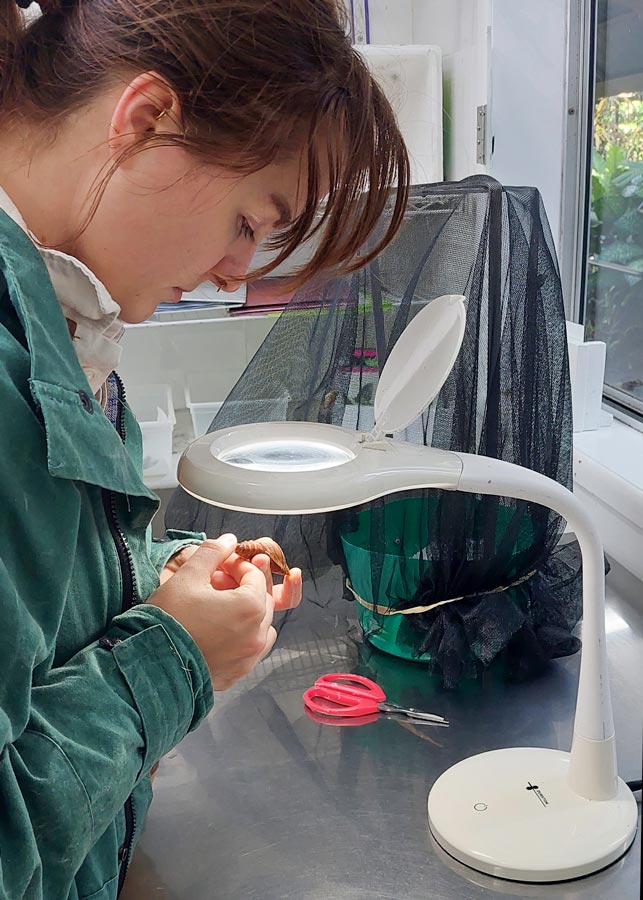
(524, 814)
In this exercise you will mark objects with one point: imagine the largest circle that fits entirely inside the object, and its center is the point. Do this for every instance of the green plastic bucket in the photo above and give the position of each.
(400, 573)
(406, 533)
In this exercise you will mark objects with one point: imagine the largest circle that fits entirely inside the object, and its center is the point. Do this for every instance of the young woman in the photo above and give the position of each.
(145, 146)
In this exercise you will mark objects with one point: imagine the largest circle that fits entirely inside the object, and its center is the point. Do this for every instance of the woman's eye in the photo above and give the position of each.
(246, 230)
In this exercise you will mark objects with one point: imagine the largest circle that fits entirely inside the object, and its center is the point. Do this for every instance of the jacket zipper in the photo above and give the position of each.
(126, 850)
(130, 594)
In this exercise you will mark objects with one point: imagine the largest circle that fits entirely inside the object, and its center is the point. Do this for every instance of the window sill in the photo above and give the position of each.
(608, 477)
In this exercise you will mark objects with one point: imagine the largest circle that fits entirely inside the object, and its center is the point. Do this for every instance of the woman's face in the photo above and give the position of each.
(167, 223)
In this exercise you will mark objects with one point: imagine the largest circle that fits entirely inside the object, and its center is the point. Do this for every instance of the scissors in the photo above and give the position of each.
(345, 695)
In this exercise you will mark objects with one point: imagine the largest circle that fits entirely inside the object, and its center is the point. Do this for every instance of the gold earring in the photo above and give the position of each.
(160, 115)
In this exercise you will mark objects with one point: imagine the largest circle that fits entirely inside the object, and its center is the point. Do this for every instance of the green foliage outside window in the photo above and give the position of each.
(614, 311)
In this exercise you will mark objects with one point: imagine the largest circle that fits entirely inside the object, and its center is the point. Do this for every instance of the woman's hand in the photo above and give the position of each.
(285, 596)
(227, 605)
(175, 562)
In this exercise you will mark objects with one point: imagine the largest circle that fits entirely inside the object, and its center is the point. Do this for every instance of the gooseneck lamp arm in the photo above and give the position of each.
(592, 771)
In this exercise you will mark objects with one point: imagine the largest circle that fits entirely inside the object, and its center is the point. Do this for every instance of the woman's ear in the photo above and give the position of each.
(147, 105)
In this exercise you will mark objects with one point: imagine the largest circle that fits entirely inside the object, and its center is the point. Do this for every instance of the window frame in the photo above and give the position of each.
(576, 183)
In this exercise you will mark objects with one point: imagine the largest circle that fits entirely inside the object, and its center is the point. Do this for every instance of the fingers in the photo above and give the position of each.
(268, 615)
(266, 634)
(223, 682)
(250, 577)
(175, 562)
(208, 557)
(165, 575)
(271, 638)
(237, 567)
(226, 604)
(224, 578)
(221, 581)
(261, 561)
(288, 594)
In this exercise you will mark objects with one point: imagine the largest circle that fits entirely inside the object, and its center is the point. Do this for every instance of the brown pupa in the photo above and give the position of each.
(278, 564)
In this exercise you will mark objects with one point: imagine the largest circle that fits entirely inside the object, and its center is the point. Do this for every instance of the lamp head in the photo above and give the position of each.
(305, 467)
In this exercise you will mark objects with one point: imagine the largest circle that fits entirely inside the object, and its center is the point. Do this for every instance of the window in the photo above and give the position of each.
(613, 284)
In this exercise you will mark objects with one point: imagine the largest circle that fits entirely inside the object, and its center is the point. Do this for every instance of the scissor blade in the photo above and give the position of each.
(426, 717)
(415, 714)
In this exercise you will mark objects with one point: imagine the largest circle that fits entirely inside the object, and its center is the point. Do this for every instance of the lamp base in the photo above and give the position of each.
(512, 814)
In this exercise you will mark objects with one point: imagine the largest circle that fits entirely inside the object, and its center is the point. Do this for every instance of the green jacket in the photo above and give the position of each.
(94, 685)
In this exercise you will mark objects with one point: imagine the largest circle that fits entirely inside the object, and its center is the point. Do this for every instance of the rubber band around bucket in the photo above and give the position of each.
(416, 610)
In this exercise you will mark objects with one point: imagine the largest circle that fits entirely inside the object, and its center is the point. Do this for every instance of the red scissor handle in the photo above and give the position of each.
(341, 721)
(355, 684)
(344, 695)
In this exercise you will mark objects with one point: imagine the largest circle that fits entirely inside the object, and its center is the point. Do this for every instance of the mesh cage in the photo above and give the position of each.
(451, 579)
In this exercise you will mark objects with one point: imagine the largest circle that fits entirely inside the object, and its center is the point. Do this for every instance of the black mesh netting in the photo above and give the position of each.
(512, 591)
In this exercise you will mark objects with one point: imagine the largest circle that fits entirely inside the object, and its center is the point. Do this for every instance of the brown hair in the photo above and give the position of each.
(256, 80)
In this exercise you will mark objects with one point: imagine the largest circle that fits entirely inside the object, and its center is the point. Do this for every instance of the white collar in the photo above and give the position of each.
(84, 300)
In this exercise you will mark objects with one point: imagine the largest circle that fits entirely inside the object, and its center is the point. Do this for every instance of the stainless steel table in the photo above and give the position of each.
(262, 803)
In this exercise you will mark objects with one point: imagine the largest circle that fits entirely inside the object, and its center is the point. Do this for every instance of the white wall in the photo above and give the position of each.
(529, 92)
(509, 54)
(391, 21)
(461, 29)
